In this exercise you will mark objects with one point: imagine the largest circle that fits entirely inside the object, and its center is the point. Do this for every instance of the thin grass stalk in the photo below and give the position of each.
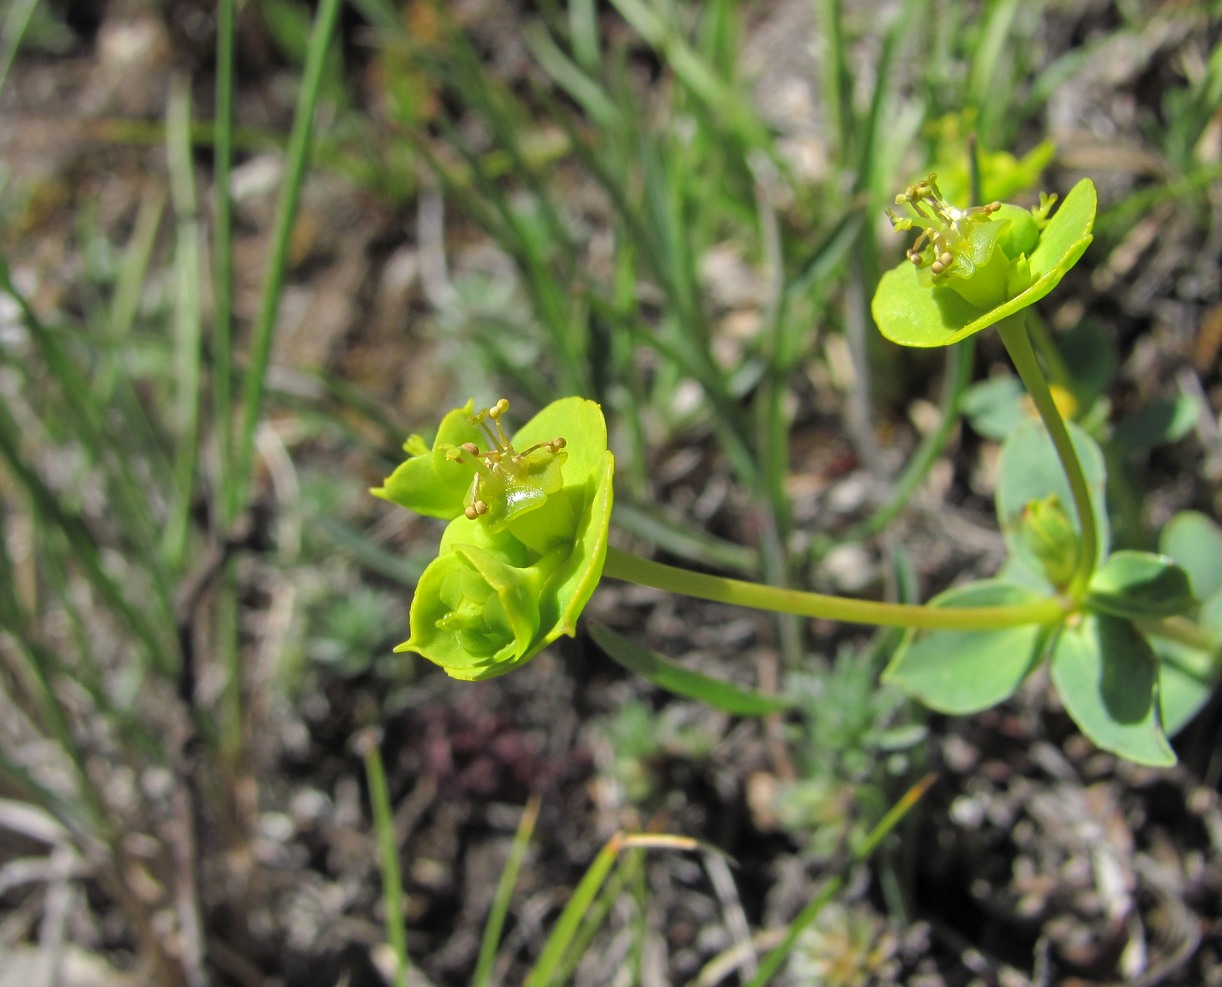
(771, 964)
(860, 334)
(83, 546)
(630, 868)
(681, 539)
(16, 23)
(774, 429)
(541, 285)
(125, 302)
(958, 375)
(222, 253)
(584, 34)
(560, 942)
(296, 160)
(86, 671)
(992, 54)
(694, 72)
(35, 678)
(188, 324)
(504, 895)
(128, 500)
(835, 81)
(388, 855)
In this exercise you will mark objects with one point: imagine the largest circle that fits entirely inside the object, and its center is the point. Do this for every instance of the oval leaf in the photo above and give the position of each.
(1195, 542)
(1139, 586)
(1106, 676)
(967, 671)
(682, 681)
(1187, 676)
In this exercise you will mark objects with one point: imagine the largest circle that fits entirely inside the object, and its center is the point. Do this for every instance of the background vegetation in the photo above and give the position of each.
(209, 352)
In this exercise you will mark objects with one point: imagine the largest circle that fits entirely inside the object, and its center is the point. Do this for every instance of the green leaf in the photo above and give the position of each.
(1088, 351)
(967, 671)
(1139, 586)
(1187, 676)
(1160, 423)
(1106, 675)
(912, 315)
(994, 407)
(682, 681)
(1195, 542)
(1029, 470)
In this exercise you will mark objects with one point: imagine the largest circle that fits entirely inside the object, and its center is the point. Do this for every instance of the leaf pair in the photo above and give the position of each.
(1104, 660)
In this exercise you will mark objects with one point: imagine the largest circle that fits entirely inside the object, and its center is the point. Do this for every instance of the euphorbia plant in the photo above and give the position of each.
(527, 539)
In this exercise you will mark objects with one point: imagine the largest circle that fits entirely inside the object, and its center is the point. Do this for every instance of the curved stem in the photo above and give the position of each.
(1018, 345)
(720, 589)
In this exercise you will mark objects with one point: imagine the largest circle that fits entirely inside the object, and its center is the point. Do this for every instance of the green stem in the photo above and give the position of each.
(720, 589)
(1018, 345)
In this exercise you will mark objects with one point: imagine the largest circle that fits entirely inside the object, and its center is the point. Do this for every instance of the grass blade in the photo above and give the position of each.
(544, 973)
(188, 323)
(504, 893)
(388, 851)
(286, 213)
(772, 962)
(222, 284)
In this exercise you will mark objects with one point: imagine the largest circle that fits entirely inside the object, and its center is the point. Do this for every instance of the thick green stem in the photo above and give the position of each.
(720, 589)
(1018, 345)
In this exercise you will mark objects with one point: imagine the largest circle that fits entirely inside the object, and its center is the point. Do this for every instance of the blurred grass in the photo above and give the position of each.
(608, 174)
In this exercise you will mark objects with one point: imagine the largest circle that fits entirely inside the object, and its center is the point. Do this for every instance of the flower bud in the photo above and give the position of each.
(1050, 534)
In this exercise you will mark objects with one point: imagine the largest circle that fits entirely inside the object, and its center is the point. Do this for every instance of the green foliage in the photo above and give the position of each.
(1107, 677)
(966, 671)
(1103, 658)
(129, 462)
(1189, 670)
(682, 681)
(1139, 586)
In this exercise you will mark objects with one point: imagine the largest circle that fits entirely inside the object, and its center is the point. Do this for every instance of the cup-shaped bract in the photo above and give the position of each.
(473, 612)
(969, 269)
(527, 541)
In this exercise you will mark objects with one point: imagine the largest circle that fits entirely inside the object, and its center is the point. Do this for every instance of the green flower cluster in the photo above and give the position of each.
(527, 538)
(971, 268)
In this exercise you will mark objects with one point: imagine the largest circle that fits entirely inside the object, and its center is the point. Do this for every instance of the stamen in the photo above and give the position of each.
(506, 480)
(943, 226)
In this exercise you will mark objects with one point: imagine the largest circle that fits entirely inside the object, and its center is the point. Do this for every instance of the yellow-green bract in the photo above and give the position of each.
(527, 538)
(972, 268)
